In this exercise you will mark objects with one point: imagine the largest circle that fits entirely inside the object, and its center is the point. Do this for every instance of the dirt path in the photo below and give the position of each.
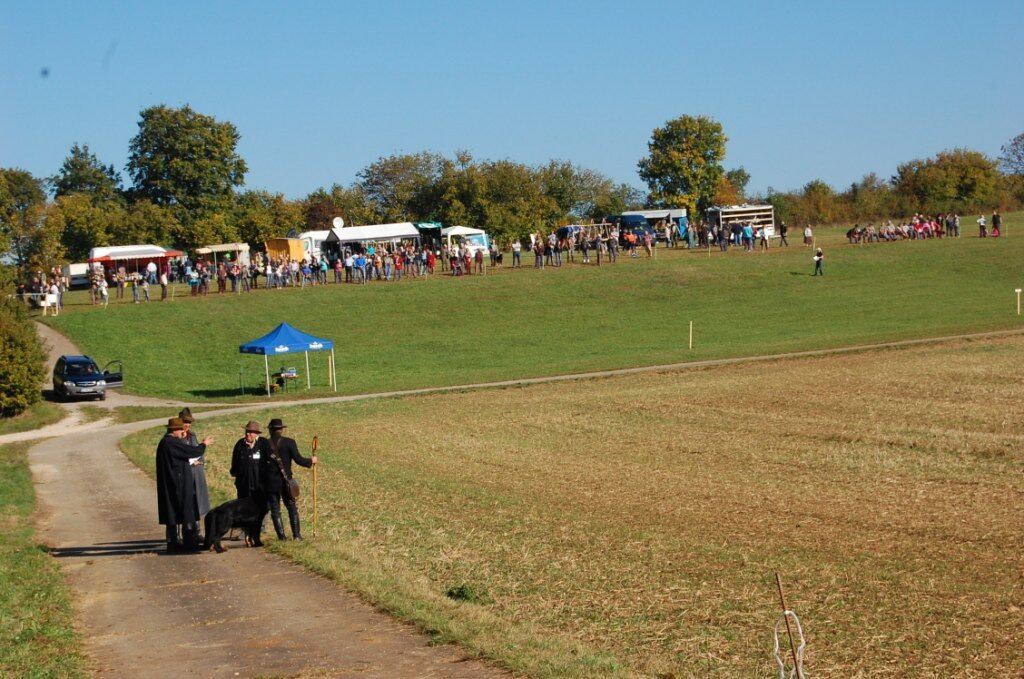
(245, 613)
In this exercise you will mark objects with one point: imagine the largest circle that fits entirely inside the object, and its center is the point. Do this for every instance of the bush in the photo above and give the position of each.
(22, 359)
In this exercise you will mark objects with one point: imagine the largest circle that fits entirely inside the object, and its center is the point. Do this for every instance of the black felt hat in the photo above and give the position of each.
(275, 423)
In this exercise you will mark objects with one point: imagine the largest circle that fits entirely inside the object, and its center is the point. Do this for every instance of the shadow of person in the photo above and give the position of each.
(125, 548)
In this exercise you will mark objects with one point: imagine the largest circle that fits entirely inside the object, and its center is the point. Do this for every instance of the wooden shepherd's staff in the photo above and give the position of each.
(785, 616)
(316, 441)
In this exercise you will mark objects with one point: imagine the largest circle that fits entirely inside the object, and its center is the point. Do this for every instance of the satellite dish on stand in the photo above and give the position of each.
(338, 222)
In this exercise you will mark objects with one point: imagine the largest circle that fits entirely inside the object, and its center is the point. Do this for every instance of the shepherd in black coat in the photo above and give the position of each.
(283, 451)
(175, 489)
(246, 458)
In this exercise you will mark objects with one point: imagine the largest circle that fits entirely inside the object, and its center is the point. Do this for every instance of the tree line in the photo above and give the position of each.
(186, 189)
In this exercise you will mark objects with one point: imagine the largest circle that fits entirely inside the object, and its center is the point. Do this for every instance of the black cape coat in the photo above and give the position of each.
(245, 465)
(175, 488)
(288, 451)
(199, 479)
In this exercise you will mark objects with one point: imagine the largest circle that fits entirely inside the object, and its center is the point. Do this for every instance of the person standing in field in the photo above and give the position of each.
(808, 236)
(819, 263)
(783, 229)
(276, 471)
(982, 228)
(246, 457)
(517, 254)
(198, 474)
(997, 223)
(176, 502)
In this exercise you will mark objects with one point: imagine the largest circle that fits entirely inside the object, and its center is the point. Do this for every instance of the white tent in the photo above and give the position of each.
(119, 252)
(461, 231)
(373, 233)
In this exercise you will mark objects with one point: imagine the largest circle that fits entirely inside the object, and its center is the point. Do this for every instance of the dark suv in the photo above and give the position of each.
(79, 376)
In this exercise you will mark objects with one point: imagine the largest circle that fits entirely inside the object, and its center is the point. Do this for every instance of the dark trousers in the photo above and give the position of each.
(274, 500)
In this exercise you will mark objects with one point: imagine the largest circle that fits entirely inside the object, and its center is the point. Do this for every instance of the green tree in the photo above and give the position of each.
(260, 215)
(739, 178)
(82, 172)
(957, 180)
(145, 222)
(1012, 158)
(870, 198)
(23, 204)
(616, 199)
(22, 359)
(185, 160)
(403, 187)
(87, 224)
(684, 163)
(321, 207)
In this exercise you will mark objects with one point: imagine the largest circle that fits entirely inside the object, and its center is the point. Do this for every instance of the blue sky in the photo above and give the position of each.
(318, 91)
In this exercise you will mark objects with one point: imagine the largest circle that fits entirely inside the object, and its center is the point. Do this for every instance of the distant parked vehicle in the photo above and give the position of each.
(80, 377)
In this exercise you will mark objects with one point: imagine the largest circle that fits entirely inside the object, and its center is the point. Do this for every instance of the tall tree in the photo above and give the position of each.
(684, 163)
(82, 172)
(22, 208)
(739, 178)
(185, 160)
(1012, 158)
(350, 203)
(403, 187)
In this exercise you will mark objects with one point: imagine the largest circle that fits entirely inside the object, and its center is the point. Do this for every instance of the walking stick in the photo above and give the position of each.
(789, 632)
(316, 441)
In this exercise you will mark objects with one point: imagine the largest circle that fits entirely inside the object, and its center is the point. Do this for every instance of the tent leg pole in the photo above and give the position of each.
(266, 370)
(334, 370)
(307, 369)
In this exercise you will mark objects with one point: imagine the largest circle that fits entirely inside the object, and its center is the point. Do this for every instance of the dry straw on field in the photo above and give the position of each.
(643, 516)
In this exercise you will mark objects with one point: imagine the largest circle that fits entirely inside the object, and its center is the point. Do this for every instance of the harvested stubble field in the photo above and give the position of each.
(632, 525)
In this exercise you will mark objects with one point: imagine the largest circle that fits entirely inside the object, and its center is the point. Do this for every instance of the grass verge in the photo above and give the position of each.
(643, 516)
(38, 415)
(37, 637)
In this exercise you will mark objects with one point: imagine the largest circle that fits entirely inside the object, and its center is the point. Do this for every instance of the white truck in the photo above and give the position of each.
(758, 216)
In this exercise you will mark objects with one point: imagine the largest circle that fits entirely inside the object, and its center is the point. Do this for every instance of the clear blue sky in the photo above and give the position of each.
(318, 91)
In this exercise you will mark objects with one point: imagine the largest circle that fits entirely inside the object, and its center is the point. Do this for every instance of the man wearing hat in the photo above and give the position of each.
(175, 488)
(248, 453)
(198, 478)
(283, 451)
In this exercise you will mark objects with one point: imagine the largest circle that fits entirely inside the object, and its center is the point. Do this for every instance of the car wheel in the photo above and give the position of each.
(103, 396)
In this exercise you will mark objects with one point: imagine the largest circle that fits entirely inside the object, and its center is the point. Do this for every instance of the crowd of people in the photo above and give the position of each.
(260, 466)
(921, 227)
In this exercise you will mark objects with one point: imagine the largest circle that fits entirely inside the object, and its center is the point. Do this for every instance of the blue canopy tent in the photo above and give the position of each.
(284, 339)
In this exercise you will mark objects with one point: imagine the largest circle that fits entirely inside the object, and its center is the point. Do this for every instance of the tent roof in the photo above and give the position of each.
(117, 252)
(353, 234)
(461, 231)
(674, 213)
(223, 247)
(284, 339)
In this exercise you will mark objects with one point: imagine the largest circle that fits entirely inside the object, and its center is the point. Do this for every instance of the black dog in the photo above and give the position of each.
(246, 513)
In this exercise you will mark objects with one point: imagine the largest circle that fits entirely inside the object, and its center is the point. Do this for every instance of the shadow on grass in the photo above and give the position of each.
(222, 393)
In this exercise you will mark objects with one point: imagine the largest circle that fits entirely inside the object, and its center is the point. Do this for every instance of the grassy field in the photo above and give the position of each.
(38, 415)
(37, 638)
(633, 524)
(529, 323)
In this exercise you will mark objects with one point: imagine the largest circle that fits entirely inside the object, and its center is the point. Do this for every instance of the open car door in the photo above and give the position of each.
(113, 374)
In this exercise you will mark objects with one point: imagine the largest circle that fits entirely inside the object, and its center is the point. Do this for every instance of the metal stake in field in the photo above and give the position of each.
(691, 334)
(797, 654)
(316, 441)
(1018, 300)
